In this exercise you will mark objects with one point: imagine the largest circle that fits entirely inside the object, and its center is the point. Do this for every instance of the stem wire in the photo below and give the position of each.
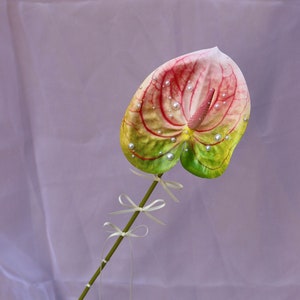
(119, 240)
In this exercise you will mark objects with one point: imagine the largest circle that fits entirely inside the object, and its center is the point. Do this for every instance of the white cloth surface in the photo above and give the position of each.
(68, 69)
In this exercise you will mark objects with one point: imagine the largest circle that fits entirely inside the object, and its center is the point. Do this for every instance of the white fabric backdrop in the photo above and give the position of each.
(68, 70)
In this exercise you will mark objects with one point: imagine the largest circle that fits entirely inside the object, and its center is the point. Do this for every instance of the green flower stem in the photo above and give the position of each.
(119, 240)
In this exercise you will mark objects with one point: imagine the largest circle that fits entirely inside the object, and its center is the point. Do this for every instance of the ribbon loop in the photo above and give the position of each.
(167, 185)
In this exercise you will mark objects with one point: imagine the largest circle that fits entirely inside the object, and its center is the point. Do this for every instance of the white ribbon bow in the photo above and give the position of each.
(117, 232)
(130, 233)
(167, 185)
(132, 207)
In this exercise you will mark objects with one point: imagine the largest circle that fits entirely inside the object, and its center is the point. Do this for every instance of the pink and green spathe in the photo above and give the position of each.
(194, 108)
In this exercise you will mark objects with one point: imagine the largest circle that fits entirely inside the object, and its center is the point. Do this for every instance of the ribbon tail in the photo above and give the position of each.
(169, 192)
(124, 211)
(154, 219)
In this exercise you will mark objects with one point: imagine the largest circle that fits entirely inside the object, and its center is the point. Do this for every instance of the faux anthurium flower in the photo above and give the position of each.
(194, 108)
